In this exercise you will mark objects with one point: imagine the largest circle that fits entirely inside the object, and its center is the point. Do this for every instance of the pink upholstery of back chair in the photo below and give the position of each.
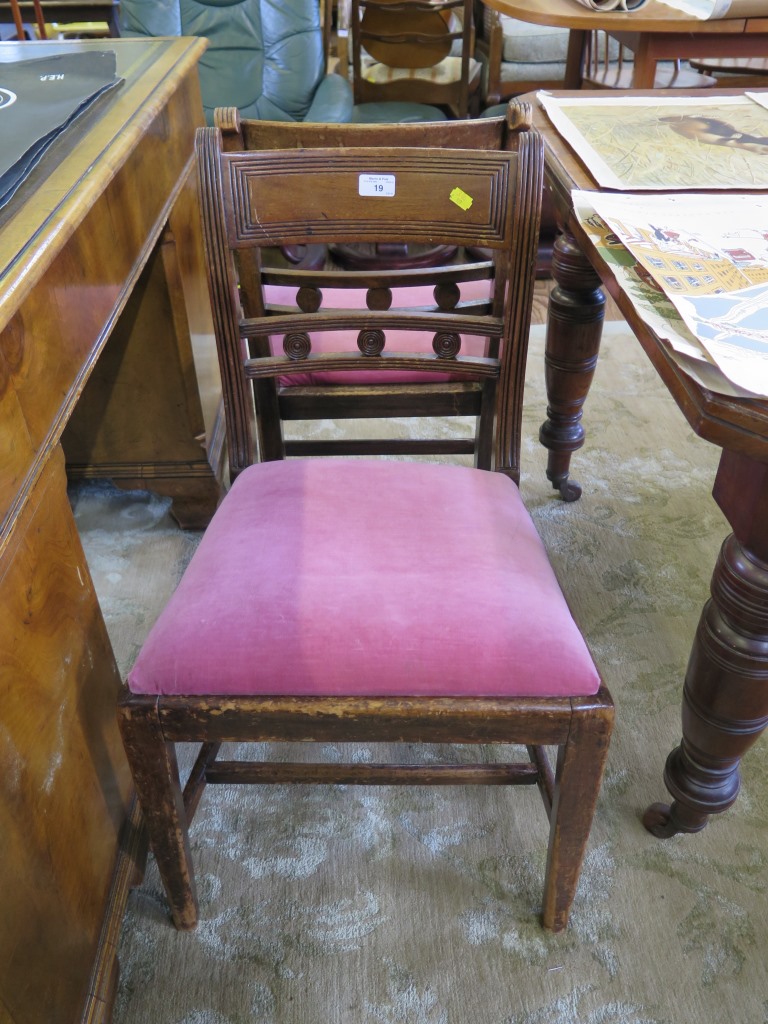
(369, 396)
(367, 601)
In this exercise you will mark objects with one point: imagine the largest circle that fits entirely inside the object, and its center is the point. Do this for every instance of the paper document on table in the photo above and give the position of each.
(711, 261)
(707, 10)
(666, 142)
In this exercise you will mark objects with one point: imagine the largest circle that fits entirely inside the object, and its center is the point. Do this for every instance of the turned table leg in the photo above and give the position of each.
(725, 696)
(574, 327)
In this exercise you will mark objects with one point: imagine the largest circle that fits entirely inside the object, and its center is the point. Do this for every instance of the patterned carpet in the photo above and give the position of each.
(344, 905)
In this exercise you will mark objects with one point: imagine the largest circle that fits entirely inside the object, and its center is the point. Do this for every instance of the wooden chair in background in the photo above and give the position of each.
(607, 64)
(734, 72)
(369, 601)
(18, 20)
(414, 52)
(370, 398)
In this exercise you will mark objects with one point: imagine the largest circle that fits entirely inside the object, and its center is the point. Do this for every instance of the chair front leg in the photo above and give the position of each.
(580, 765)
(156, 777)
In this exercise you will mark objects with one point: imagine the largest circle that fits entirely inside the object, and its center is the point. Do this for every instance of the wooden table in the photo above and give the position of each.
(655, 32)
(725, 694)
(104, 319)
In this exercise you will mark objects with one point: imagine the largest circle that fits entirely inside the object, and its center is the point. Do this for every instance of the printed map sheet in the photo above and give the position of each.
(666, 143)
(709, 260)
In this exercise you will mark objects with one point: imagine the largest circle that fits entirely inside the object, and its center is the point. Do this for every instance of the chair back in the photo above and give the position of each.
(416, 51)
(518, 56)
(267, 59)
(260, 198)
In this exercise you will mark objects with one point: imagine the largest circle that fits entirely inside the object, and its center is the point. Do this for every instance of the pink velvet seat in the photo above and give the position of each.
(299, 559)
(340, 600)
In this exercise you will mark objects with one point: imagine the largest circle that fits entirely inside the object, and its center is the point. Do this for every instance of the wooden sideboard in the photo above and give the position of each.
(106, 353)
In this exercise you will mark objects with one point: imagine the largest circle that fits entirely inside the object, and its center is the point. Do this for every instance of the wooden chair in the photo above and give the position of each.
(517, 56)
(607, 64)
(18, 20)
(370, 397)
(369, 601)
(405, 51)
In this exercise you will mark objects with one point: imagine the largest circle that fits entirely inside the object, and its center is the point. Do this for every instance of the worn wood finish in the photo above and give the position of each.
(237, 773)
(19, 24)
(654, 33)
(283, 403)
(725, 701)
(414, 34)
(75, 243)
(65, 785)
(246, 203)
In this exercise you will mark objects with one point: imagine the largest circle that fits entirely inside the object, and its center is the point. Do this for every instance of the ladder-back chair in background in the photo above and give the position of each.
(413, 52)
(369, 396)
(18, 20)
(359, 600)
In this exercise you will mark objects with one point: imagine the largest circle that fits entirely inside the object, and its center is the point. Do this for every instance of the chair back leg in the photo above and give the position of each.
(156, 777)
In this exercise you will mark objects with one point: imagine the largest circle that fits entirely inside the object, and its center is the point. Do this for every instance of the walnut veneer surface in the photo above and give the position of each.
(101, 242)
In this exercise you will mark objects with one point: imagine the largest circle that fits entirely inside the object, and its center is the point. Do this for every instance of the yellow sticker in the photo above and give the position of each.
(460, 197)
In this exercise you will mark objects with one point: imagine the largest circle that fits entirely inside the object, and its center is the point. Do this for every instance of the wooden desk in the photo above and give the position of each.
(102, 300)
(725, 697)
(655, 32)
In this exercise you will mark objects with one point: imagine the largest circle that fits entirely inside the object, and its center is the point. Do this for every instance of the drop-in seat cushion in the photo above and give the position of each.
(362, 577)
(396, 112)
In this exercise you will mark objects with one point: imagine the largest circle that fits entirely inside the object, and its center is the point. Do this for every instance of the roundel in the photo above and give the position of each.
(6, 98)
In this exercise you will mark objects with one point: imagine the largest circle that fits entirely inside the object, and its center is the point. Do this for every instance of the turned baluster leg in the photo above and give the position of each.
(574, 327)
(725, 696)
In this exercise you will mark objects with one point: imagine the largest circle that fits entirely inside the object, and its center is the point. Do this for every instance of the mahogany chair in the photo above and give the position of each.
(367, 601)
(517, 56)
(370, 396)
(18, 20)
(413, 52)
